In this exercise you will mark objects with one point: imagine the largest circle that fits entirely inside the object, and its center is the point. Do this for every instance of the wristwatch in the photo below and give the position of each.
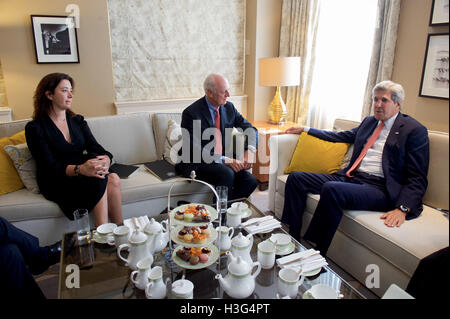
(77, 170)
(404, 209)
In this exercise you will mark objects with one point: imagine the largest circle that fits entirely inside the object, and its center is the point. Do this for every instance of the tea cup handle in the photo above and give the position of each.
(121, 247)
(258, 270)
(135, 272)
(111, 240)
(230, 234)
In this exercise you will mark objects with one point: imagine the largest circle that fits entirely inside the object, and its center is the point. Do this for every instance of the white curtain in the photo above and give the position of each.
(298, 34)
(344, 48)
(385, 40)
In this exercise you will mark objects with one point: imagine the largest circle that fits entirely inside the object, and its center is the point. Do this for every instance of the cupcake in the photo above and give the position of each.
(179, 215)
(188, 238)
(182, 233)
(199, 239)
(188, 217)
(206, 251)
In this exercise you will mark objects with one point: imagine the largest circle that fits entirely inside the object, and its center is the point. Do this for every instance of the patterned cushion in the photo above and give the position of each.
(173, 142)
(25, 165)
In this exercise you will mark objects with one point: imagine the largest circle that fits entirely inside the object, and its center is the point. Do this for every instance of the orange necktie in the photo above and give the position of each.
(218, 147)
(368, 145)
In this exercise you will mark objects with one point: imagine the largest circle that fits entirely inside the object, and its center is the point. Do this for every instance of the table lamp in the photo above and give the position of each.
(279, 72)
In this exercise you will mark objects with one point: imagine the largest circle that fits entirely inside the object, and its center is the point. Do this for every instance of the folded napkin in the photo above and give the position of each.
(255, 221)
(263, 227)
(308, 259)
(138, 223)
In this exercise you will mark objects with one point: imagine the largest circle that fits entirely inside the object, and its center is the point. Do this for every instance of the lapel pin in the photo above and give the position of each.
(397, 133)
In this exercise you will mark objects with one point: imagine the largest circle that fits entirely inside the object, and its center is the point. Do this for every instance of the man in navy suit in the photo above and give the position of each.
(391, 178)
(207, 127)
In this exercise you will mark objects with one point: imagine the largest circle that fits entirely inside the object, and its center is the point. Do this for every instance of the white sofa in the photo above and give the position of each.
(362, 240)
(131, 138)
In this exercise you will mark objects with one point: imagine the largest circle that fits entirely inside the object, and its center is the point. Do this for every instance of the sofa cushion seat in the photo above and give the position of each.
(402, 246)
(24, 205)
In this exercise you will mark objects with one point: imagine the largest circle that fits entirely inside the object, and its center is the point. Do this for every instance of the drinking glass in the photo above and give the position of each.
(222, 193)
(83, 228)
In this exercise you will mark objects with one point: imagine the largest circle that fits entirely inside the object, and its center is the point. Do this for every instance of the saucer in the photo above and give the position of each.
(312, 272)
(286, 251)
(99, 239)
(247, 213)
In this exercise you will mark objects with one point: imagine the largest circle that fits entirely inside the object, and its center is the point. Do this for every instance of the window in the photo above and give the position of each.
(343, 52)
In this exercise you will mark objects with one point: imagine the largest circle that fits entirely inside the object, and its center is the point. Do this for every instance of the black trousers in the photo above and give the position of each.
(240, 184)
(20, 258)
(430, 279)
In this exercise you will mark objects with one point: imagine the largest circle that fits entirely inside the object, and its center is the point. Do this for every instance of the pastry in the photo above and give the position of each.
(188, 217)
(194, 260)
(188, 238)
(203, 258)
(206, 251)
(179, 215)
(182, 233)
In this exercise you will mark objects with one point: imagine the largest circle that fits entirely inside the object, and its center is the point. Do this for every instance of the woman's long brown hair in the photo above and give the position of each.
(42, 105)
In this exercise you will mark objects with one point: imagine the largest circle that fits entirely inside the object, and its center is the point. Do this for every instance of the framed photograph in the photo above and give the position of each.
(439, 13)
(55, 39)
(435, 67)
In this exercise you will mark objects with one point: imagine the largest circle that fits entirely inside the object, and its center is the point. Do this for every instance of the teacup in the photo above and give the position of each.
(182, 289)
(282, 241)
(234, 217)
(240, 206)
(266, 254)
(121, 234)
(289, 280)
(105, 231)
(321, 291)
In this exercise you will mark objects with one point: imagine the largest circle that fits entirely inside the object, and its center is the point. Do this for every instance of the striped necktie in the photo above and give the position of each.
(218, 147)
(368, 145)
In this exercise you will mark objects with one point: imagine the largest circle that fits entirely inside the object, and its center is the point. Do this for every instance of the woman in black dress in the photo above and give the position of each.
(72, 168)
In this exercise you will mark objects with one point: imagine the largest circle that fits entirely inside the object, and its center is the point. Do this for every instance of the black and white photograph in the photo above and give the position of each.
(55, 39)
(435, 79)
(439, 12)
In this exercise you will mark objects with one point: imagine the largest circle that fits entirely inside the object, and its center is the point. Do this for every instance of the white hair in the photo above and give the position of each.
(397, 91)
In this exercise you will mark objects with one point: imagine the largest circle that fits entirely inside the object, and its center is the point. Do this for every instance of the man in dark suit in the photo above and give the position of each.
(207, 127)
(387, 171)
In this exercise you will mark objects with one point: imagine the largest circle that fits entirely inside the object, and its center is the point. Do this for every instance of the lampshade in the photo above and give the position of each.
(283, 71)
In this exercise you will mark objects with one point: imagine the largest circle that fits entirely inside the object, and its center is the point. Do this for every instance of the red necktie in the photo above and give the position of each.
(368, 145)
(218, 147)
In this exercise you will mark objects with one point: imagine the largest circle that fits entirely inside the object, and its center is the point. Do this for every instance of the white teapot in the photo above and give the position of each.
(239, 282)
(158, 236)
(241, 246)
(137, 245)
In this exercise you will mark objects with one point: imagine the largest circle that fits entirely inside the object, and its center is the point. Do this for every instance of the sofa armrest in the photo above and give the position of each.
(282, 148)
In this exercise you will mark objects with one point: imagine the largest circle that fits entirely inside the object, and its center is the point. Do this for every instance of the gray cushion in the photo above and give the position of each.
(129, 137)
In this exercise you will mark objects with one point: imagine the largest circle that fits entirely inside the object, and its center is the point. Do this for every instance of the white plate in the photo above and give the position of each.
(209, 240)
(287, 251)
(247, 213)
(312, 272)
(212, 258)
(212, 213)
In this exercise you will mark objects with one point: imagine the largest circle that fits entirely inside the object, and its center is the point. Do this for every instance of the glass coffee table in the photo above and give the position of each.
(93, 270)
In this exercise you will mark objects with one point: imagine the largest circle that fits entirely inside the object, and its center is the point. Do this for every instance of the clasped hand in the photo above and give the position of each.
(96, 167)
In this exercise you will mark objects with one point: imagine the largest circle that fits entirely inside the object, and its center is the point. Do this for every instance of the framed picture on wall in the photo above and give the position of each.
(435, 67)
(55, 39)
(439, 12)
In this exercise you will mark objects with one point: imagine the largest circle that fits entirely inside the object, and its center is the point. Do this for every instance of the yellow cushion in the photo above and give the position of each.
(9, 178)
(316, 156)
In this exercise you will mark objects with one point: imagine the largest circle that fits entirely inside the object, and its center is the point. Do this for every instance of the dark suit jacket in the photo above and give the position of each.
(405, 157)
(53, 153)
(196, 118)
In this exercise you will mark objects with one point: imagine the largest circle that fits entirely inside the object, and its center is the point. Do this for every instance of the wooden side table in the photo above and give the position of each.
(265, 130)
